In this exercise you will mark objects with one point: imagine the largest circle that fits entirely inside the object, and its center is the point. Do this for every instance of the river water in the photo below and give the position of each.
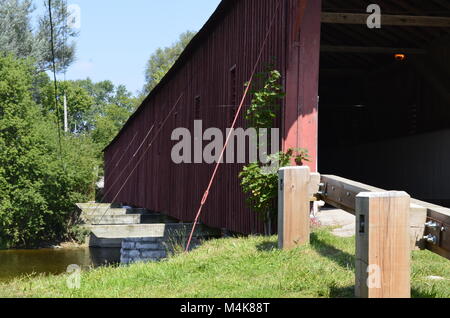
(19, 263)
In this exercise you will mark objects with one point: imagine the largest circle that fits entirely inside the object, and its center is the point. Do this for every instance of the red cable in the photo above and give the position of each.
(143, 154)
(123, 170)
(123, 152)
(131, 160)
(219, 161)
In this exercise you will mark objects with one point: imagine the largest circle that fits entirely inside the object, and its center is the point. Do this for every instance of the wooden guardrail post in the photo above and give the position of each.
(293, 207)
(383, 245)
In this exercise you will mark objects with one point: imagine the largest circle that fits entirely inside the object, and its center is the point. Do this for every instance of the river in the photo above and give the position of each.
(19, 263)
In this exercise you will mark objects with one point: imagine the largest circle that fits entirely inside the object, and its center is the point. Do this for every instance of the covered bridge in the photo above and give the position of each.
(383, 95)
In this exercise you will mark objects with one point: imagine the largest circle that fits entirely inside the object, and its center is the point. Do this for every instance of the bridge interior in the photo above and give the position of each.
(384, 111)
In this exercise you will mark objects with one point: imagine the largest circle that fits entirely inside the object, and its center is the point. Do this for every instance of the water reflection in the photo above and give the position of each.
(17, 263)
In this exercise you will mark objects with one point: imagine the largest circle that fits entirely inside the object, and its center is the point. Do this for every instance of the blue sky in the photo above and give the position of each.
(117, 37)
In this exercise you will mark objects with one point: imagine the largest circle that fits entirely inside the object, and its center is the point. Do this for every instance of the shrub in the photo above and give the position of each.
(39, 181)
(260, 181)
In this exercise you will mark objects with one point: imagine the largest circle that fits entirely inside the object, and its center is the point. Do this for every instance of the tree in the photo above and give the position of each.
(108, 124)
(112, 106)
(90, 105)
(64, 48)
(18, 37)
(79, 104)
(163, 59)
(39, 184)
(102, 92)
(16, 34)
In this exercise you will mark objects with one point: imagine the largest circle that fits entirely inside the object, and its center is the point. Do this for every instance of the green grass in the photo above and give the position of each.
(238, 267)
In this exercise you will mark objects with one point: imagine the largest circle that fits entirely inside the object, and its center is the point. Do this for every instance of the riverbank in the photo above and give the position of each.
(79, 240)
(239, 267)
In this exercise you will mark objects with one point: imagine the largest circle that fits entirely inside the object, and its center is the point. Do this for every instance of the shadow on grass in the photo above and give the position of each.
(341, 258)
(267, 246)
(342, 292)
(349, 292)
(420, 294)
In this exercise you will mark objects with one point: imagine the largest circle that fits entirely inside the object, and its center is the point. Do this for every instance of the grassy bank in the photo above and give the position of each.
(239, 267)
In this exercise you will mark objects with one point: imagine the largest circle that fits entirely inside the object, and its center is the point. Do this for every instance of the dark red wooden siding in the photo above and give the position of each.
(234, 38)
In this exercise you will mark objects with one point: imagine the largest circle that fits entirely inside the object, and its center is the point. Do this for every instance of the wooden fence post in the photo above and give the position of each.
(383, 254)
(293, 207)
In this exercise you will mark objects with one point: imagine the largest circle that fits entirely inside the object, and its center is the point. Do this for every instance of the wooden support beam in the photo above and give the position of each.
(341, 193)
(301, 112)
(386, 19)
(294, 207)
(383, 257)
(439, 218)
(439, 232)
(370, 50)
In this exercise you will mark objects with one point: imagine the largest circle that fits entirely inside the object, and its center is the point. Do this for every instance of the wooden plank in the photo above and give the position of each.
(370, 50)
(293, 207)
(383, 257)
(341, 193)
(441, 217)
(386, 19)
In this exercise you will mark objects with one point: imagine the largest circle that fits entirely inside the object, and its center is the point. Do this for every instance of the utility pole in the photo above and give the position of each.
(66, 124)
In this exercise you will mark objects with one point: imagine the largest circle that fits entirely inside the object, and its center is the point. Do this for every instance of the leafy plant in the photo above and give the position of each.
(300, 155)
(260, 181)
(266, 101)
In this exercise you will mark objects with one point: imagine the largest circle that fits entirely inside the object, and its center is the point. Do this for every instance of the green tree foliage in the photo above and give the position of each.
(18, 37)
(99, 109)
(63, 35)
(79, 104)
(38, 184)
(16, 34)
(111, 108)
(102, 92)
(108, 124)
(163, 59)
(43, 172)
(105, 93)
